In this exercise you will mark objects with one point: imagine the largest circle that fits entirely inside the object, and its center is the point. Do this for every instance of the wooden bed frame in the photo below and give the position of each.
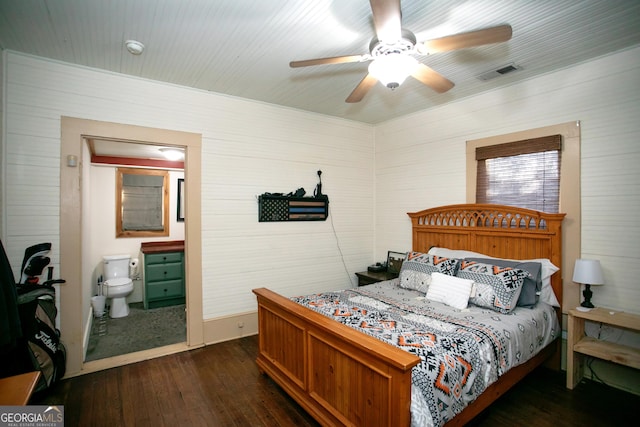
(343, 377)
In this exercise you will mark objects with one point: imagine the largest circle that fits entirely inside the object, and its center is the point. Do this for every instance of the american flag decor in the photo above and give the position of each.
(286, 208)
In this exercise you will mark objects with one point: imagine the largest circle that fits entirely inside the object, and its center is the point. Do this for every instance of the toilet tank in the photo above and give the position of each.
(116, 266)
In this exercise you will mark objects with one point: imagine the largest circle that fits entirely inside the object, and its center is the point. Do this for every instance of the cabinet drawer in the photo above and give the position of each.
(168, 289)
(161, 272)
(162, 258)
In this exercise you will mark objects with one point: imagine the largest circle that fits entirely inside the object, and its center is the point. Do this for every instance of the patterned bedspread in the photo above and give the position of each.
(462, 351)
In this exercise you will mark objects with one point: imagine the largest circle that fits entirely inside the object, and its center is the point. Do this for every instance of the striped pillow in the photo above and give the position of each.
(450, 290)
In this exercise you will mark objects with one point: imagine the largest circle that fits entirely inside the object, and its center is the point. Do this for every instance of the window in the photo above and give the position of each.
(523, 173)
(569, 188)
(142, 202)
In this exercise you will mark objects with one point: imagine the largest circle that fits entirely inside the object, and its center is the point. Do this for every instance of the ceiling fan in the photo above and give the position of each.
(391, 51)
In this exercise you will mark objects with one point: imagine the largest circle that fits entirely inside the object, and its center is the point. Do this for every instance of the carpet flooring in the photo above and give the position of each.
(140, 330)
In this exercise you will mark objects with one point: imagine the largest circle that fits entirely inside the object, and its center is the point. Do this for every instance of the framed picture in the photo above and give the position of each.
(394, 261)
(180, 199)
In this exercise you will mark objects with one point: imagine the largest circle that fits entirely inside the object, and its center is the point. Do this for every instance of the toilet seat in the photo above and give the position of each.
(117, 288)
(120, 281)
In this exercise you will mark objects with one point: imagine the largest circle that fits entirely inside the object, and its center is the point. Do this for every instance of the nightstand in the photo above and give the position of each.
(579, 345)
(369, 277)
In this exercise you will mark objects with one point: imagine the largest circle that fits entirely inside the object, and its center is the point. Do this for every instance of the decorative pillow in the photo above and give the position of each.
(532, 284)
(449, 290)
(548, 268)
(417, 267)
(497, 288)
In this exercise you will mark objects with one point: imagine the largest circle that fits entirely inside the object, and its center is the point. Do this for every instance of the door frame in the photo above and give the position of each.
(74, 132)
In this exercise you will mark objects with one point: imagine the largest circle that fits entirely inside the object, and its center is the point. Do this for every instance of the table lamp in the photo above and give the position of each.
(587, 272)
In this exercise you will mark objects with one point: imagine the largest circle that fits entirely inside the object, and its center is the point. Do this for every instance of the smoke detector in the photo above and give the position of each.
(134, 47)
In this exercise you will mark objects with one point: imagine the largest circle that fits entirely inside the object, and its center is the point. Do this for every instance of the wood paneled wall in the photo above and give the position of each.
(248, 148)
(420, 160)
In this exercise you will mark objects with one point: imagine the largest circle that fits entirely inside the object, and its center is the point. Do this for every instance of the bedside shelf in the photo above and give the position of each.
(579, 345)
(621, 354)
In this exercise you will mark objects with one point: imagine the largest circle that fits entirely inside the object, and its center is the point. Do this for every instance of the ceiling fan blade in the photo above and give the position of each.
(432, 78)
(501, 33)
(361, 90)
(387, 19)
(332, 60)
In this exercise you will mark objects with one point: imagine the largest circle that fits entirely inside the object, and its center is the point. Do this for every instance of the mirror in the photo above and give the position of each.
(142, 202)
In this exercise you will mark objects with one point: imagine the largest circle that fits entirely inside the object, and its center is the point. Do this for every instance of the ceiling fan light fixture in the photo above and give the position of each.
(392, 70)
(172, 154)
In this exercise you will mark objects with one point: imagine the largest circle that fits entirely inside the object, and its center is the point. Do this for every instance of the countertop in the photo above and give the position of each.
(159, 247)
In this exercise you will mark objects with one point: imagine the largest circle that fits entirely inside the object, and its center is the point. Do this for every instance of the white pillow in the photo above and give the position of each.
(548, 268)
(450, 290)
(546, 293)
(455, 253)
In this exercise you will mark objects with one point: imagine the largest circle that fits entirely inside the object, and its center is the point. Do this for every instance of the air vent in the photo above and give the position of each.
(509, 68)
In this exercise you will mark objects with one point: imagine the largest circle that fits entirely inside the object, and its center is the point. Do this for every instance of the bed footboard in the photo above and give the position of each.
(340, 376)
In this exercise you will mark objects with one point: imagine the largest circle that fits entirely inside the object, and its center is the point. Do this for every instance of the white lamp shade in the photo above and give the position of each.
(588, 272)
(391, 70)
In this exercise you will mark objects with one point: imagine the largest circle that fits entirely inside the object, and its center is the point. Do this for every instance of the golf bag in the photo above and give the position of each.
(37, 346)
(47, 354)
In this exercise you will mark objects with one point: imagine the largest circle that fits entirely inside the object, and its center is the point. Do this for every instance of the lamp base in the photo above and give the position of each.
(587, 294)
(581, 308)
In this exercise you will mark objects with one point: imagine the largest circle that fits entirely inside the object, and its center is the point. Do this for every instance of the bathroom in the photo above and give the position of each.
(99, 210)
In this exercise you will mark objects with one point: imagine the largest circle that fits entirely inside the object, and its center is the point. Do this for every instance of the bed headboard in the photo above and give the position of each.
(495, 230)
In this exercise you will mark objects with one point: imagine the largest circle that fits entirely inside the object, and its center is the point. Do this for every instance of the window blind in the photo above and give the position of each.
(522, 173)
(142, 202)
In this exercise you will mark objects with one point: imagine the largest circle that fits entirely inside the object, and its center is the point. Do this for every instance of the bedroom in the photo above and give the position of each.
(371, 173)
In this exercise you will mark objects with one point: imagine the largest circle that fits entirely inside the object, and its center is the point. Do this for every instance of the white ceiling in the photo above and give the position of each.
(243, 47)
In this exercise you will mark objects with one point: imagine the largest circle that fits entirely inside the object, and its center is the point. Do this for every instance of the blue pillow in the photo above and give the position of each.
(532, 285)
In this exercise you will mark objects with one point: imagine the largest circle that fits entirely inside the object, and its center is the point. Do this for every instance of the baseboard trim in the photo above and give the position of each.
(231, 327)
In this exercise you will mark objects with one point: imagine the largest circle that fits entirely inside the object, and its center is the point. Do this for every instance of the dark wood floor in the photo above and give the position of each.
(220, 385)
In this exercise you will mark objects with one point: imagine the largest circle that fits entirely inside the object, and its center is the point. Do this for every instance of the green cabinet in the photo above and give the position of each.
(164, 279)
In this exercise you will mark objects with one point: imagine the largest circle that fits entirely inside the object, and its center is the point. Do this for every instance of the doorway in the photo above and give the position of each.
(116, 227)
(74, 300)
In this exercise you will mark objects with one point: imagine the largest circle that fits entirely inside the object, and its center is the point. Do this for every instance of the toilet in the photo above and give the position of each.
(117, 285)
